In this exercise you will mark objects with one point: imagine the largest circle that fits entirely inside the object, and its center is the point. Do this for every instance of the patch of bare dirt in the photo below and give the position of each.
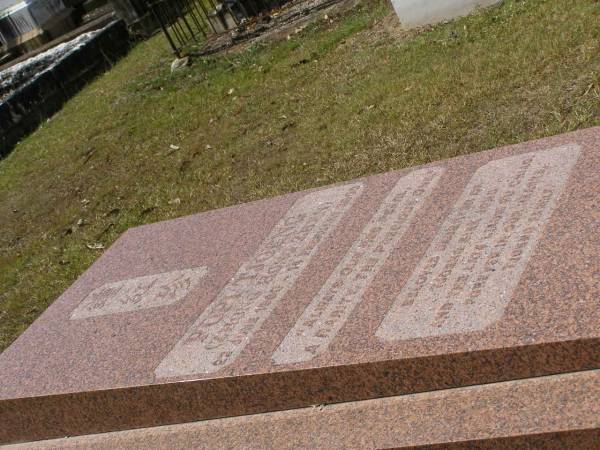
(275, 25)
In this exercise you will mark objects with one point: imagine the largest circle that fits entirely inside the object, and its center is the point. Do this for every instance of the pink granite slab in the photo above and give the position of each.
(472, 270)
(555, 412)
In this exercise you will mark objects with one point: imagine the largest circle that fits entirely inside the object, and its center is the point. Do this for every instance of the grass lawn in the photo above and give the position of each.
(336, 101)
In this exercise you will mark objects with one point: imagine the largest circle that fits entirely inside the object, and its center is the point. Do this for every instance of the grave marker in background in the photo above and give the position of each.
(414, 13)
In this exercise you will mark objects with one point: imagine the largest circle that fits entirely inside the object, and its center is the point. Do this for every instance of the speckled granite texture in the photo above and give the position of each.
(473, 270)
(555, 412)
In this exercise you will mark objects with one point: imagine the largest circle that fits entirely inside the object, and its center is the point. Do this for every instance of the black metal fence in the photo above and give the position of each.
(182, 21)
(188, 22)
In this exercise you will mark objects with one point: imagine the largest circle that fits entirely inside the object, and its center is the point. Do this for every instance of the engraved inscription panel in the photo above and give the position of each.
(228, 323)
(138, 293)
(329, 310)
(468, 275)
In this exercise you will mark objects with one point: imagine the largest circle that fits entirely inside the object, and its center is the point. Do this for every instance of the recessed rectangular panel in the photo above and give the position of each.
(329, 310)
(226, 326)
(138, 293)
(468, 275)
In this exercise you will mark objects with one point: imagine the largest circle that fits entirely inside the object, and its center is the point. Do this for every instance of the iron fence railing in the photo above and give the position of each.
(188, 22)
(184, 22)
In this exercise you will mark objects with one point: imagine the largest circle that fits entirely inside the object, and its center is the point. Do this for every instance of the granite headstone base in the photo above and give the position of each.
(557, 412)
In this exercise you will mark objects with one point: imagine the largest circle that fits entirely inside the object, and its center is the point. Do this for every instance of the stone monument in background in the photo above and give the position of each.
(414, 13)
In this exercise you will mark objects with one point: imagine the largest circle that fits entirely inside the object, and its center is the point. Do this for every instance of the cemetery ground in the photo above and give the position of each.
(347, 96)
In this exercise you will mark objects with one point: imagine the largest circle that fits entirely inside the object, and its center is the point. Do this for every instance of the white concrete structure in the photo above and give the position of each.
(413, 13)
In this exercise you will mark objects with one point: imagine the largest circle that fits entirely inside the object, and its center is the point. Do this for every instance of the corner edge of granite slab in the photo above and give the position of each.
(558, 411)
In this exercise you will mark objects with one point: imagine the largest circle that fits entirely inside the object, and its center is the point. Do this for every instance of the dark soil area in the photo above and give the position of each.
(291, 18)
